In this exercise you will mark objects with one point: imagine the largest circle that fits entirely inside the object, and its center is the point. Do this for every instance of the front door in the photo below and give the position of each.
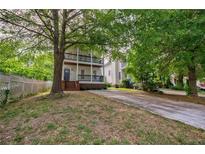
(66, 74)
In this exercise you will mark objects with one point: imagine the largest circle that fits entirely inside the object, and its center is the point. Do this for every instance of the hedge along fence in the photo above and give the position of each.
(14, 87)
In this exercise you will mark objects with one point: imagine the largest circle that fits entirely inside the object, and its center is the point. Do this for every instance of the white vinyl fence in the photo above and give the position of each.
(20, 86)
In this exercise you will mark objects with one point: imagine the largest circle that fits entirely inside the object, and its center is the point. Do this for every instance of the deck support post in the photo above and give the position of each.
(103, 69)
(77, 64)
(91, 67)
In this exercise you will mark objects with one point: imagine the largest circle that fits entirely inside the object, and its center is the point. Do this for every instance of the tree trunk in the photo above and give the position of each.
(58, 56)
(192, 81)
(57, 76)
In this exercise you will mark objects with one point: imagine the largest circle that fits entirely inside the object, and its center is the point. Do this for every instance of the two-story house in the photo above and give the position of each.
(114, 72)
(82, 71)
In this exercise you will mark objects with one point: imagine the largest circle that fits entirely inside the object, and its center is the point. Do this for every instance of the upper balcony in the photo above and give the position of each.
(83, 58)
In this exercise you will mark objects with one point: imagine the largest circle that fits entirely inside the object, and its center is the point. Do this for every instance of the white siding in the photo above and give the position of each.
(115, 69)
(72, 72)
(73, 69)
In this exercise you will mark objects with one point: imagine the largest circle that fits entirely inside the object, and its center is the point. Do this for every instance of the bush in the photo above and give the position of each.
(108, 85)
(137, 86)
(177, 87)
(159, 84)
(168, 84)
(149, 81)
(116, 86)
(127, 83)
(187, 89)
(149, 85)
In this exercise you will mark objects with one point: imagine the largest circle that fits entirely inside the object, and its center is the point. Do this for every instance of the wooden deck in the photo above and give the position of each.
(76, 86)
(70, 85)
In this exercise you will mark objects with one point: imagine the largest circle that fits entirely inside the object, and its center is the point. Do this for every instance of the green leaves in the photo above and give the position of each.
(167, 42)
(33, 65)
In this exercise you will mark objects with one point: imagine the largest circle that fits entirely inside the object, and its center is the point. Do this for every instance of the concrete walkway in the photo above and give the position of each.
(188, 113)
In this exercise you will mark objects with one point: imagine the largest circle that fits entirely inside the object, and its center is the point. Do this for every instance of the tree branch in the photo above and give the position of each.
(5, 18)
(44, 22)
(63, 31)
(56, 30)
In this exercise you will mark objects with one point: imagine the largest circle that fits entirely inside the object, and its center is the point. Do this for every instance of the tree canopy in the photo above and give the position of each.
(168, 42)
(29, 64)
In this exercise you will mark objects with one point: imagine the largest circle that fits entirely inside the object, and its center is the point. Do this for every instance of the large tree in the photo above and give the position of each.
(184, 30)
(61, 29)
(169, 41)
(52, 27)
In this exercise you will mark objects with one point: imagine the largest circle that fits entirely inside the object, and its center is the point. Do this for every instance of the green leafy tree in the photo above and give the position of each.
(174, 39)
(33, 65)
(62, 29)
(184, 30)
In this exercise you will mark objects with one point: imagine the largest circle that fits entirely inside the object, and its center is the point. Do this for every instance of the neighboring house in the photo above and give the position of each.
(114, 72)
(173, 79)
(200, 85)
(82, 71)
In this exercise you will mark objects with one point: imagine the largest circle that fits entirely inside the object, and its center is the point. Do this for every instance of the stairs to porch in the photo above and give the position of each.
(70, 85)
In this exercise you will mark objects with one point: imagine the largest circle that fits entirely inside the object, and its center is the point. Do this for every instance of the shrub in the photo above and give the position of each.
(137, 86)
(159, 84)
(168, 84)
(187, 89)
(116, 86)
(177, 87)
(108, 85)
(149, 86)
(148, 80)
(127, 83)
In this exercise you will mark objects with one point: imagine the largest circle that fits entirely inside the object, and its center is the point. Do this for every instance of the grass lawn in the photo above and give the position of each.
(197, 100)
(85, 118)
(124, 89)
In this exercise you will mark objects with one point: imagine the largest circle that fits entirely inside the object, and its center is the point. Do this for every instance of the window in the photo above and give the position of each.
(82, 74)
(109, 73)
(94, 72)
(119, 75)
(94, 75)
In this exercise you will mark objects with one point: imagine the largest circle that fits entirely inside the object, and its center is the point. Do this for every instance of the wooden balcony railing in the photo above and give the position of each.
(95, 78)
(83, 58)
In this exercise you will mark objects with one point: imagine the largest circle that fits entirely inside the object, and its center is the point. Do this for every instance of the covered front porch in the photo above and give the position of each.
(82, 77)
(77, 85)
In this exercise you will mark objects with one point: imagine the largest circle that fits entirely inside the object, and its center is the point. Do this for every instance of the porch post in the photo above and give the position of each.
(103, 69)
(91, 67)
(77, 65)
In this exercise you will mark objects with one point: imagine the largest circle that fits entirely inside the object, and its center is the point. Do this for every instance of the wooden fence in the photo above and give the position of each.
(19, 87)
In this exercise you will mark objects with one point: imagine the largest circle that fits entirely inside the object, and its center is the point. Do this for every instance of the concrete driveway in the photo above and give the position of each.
(178, 92)
(188, 113)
